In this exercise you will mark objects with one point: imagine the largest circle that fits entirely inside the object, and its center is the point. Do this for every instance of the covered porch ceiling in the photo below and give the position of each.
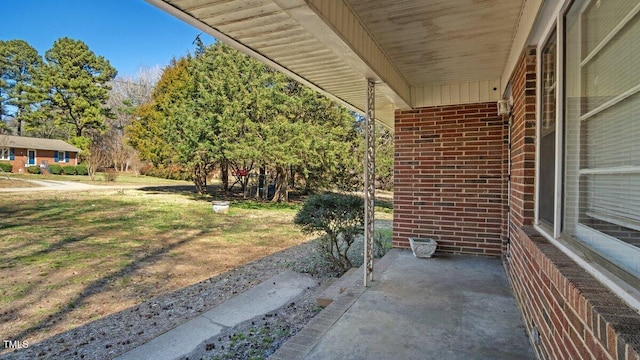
(419, 52)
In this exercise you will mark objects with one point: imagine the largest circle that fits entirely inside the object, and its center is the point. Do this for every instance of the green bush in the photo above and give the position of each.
(6, 166)
(69, 170)
(110, 176)
(33, 169)
(55, 169)
(171, 172)
(340, 217)
(82, 170)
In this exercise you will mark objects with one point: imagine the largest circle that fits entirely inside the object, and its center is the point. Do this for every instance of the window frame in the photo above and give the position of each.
(35, 157)
(553, 29)
(63, 156)
(8, 152)
(624, 284)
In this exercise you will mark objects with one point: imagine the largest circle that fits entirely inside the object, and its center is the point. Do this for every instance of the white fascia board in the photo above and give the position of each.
(349, 40)
(527, 19)
(170, 9)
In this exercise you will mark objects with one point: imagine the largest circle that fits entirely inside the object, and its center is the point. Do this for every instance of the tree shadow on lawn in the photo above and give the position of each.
(41, 215)
(151, 318)
(100, 284)
(57, 218)
(98, 217)
(214, 192)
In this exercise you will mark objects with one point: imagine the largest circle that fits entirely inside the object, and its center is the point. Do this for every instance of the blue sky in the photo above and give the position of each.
(129, 33)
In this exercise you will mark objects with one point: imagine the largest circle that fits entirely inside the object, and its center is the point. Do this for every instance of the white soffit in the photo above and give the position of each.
(420, 52)
(289, 36)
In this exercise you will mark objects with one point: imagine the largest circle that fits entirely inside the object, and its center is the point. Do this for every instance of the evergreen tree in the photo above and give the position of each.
(148, 133)
(19, 62)
(223, 108)
(75, 81)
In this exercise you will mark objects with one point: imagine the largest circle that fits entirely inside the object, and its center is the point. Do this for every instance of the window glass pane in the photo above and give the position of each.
(612, 137)
(546, 203)
(602, 128)
(600, 18)
(607, 73)
(612, 196)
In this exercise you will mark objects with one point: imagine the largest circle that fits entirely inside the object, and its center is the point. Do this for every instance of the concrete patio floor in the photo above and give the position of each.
(446, 307)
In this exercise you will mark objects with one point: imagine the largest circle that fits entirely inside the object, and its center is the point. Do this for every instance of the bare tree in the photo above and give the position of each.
(135, 164)
(127, 93)
(97, 157)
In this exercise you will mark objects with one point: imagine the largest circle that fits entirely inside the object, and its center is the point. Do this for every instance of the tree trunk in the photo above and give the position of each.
(200, 178)
(92, 172)
(245, 182)
(262, 178)
(224, 173)
(282, 182)
(292, 177)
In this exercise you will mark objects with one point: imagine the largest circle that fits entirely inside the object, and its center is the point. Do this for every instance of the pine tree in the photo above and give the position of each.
(19, 62)
(76, 84)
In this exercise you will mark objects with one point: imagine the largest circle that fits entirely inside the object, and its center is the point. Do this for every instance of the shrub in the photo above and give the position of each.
(82, 170)
(55, 169)
(146, 169)
(6, 166)
(110, 176)
(340, 217)
(33, 169)
(69, 170)
(171, 172)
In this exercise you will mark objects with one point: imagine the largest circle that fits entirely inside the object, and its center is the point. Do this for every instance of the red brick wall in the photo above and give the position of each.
(449, 178)
(20, 159)
(523, 142)
(576, 316)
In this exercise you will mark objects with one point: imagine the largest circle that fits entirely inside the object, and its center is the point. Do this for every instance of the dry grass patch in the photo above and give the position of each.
(69, 259)
(15, 183)
(122, 178)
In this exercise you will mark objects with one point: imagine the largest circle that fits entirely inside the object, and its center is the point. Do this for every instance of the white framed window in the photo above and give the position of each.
(588, 149)
(5, 153)
(602, 119)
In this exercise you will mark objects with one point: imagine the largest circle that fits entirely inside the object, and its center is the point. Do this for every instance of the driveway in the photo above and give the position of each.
(49, 185)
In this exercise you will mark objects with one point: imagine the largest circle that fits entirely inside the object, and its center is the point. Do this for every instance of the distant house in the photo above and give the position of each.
(24, 151)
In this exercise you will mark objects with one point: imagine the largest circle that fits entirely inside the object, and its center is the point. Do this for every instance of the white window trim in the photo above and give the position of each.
(2, 149)
(64, 156)
(35, 157)
(627, 292)
(552, 24)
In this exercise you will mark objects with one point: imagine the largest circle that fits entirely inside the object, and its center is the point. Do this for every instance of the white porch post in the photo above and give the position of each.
(369, 181)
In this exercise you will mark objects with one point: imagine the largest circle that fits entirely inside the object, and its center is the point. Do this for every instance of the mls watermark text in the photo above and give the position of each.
(15, 344)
